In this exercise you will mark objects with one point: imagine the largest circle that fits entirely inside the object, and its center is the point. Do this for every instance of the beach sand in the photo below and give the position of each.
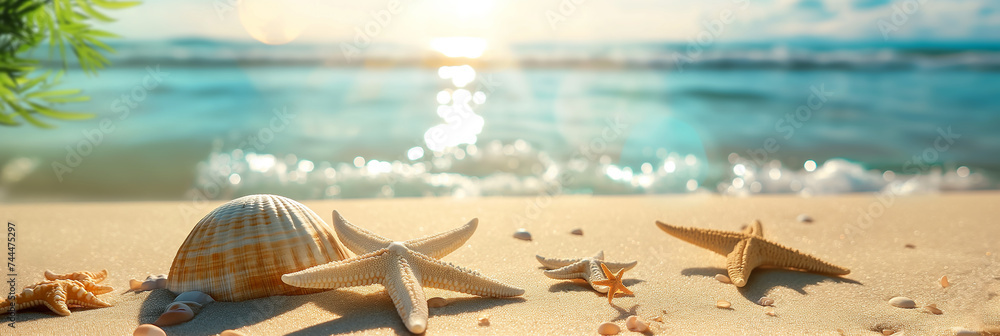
(952, 234)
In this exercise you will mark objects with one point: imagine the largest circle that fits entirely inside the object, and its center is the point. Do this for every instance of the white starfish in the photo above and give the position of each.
(404, 268)
(583, 268)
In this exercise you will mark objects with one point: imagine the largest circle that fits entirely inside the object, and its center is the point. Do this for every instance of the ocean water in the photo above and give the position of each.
(229, 119)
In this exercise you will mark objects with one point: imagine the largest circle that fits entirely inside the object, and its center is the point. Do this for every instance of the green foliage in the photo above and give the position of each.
(29, 93)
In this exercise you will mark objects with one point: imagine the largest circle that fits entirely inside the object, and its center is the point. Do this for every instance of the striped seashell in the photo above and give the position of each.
(240, 250)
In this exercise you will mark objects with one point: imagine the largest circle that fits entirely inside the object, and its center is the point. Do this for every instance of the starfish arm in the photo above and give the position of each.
(437, 274)
(77, 295)
(96, 277)
(577, 270)
(356, 239)
(553, 263)
(782, 256)
(742, 260)
(404, 288)
(754, 229)
(362, 270)
(720, 242)
(440, 245)
(96, 288)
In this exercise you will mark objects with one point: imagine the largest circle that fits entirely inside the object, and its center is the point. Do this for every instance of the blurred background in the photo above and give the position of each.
(462, 98)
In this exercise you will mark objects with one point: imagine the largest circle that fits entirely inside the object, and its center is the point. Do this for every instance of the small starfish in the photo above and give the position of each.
(89, 280)
(748, 249)
(583, 268)
(404, 268)
(614, 282)
(57, 295)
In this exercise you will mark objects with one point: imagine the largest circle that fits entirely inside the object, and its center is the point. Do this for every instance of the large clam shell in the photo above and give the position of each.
(240, 250)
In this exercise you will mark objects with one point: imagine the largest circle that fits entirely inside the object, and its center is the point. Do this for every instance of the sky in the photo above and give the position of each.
(404, 21)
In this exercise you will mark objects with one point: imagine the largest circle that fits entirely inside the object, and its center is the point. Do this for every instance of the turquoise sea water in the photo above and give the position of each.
(742, 120)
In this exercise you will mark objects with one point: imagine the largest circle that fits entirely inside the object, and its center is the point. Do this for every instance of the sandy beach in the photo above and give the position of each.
(953, 235)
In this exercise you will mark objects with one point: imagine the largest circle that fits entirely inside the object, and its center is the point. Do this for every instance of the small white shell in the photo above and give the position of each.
(484, 320)
(177, 313)
(195, 296)
(241, 249)
(959, 331)
(608, 328)
(765, 301)
(723, 278)
(522, 234)
(902, 302)
(636, 324)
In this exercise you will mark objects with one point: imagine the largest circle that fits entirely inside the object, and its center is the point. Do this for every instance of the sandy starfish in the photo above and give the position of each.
(614, 282)
(90, 280)
(404, 268)
(583, 268)
(57, 295)
(748, 249)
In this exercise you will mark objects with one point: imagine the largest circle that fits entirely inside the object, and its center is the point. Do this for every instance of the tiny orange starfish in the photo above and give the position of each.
(614, 282)
(57, 295)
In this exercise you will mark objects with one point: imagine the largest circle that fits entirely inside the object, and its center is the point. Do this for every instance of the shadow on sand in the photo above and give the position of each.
(763, 280)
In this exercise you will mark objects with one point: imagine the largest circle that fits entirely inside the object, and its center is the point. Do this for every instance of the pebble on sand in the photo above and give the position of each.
(804, 218)
(903, 302)
(770, 312)
(636, 324)
(765, 301)
(723, 279)
(231, 332)
(933, 309)
(888, 332)
(723, 304)
(944, 281)
(522, 234)
(608, 328)
(484, 320)
(578, 232)
(148, 330)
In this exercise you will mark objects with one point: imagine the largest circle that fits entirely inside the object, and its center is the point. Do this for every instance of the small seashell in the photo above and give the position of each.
(804, 218)
(636, 324)
(765, 301)
(161, 281)
(888, 332)
(944, 281)
(436, 302)
(959, 331)
(134, 284)
(176, 313)
(522, 234)
(658, 319)
(723, 304)
(148, 330)
(258, 238)
(910, 246)
(608, 328)
(770, 312)
(933, 309)
(232, 333)
(194, 296)
(147, 285)
(902, 302)
(578, 232)
(723, 278)
(484, 320)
